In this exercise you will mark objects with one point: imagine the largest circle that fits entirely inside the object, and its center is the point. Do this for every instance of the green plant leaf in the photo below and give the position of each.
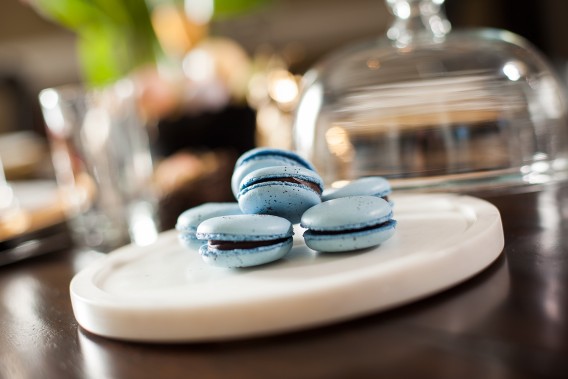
(116, 36)
(97, 47)
(72, 14)
(227, 8)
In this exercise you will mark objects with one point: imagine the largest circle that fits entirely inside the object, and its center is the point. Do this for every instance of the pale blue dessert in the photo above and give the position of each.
(264, 157)
(285, 191)
(367, 186)
(348, 223)
(189, 220)
(244, 240)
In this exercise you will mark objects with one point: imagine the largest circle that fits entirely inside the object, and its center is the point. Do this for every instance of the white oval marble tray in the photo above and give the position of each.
(165, 293)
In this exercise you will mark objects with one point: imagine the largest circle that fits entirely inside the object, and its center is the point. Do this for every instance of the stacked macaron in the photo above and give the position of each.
(274, 189)
(264, 157)
(276, 182)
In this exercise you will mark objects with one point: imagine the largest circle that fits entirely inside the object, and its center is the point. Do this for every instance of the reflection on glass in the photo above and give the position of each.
(429, 108)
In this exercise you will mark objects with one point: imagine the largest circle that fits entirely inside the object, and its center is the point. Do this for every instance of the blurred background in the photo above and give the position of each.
(222, 85)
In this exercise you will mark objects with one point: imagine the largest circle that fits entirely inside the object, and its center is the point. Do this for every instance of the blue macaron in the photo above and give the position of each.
(244, 240)
(264, 157)
(190, 219)
(285, 191)
(348, 223)
(367, 186)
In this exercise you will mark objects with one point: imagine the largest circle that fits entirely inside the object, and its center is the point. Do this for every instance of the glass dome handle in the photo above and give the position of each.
(417, 19)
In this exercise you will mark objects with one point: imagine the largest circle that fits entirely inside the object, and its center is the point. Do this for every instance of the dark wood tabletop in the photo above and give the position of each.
(510, 321)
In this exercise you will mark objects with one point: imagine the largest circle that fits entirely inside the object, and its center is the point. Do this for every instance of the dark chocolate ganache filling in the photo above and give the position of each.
(346, 231)
(232, 245)
(306, 183)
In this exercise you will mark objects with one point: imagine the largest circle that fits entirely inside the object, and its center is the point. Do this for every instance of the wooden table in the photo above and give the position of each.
(508, 322)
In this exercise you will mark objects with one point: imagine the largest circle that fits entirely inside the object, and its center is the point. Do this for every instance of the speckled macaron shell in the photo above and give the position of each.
(260, 152)
(345, 224)
(189, 220)
(245, 228)
(255, 164)
(264, 157)
(261, 192)
(367, 186)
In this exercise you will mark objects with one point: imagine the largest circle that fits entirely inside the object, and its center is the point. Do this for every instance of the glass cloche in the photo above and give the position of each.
(434, 109)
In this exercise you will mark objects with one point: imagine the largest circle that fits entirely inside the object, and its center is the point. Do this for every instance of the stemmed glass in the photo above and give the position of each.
(434, 108)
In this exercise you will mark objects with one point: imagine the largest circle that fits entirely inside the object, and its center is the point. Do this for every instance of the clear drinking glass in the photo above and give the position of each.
(433, 109)
(103, 164)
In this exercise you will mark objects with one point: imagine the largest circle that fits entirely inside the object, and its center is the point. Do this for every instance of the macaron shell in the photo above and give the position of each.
(331, 243)
(262, 192)
(261, 152)
(282, 199)
(189, 240)
(254, 164)
(186, 237)
(264, 157)
(191, 218)
(276, 172)
(245, 227)
(347, 213)
(370, 186)
(245, 257)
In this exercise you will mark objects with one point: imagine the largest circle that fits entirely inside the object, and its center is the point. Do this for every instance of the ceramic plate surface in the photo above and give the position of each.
(166, 293)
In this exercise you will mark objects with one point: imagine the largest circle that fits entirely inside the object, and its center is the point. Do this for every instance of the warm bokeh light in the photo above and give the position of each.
(282, 87)
(199, 11)
(338, 142)
(176, 32)
(199, 65)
